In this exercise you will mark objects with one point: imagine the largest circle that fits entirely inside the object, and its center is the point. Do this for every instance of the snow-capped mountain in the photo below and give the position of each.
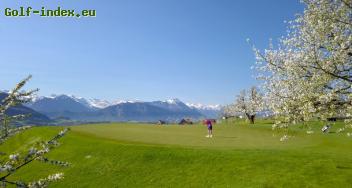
(124, 101)
(172, 104)
(98, 103)
(210, 111)
(204, 107)
(79, 108)
(56, 106)
(89, 103)
(173, 101)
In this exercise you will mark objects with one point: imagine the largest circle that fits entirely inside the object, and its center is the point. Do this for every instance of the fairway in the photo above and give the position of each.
(239, 155)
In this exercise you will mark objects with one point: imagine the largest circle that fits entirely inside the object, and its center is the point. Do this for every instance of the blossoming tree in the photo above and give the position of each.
(249, 103)
(16, 161)
(309, 74)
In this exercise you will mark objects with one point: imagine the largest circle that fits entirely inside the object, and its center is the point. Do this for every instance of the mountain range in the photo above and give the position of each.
(80, 109)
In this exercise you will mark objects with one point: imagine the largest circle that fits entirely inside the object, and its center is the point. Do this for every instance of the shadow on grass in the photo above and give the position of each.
(344, 167)
(229, 137)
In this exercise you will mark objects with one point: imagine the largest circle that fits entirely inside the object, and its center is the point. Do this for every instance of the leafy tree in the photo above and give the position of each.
(17, 161)
(309, 74)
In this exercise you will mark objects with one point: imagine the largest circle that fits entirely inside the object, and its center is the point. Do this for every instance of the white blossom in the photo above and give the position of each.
(309, 74)
(45, 181)
(14, 157)
(17, 161)
(284, 138)
(249, 103)
(56, 177)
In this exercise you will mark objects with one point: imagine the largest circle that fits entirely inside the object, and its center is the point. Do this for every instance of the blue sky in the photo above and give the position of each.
(194, 50)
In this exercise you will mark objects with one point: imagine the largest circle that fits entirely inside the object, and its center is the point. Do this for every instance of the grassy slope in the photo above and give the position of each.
(121, 155)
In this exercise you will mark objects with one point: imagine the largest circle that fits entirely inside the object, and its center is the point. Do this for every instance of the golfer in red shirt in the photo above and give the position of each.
(209, 125)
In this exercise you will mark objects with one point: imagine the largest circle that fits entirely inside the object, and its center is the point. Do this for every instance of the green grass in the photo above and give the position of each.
(135, 155)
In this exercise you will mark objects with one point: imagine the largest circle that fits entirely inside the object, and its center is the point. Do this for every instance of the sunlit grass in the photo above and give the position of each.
(239, 155)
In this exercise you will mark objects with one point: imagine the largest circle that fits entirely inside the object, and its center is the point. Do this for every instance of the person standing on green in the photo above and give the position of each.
(209, 125)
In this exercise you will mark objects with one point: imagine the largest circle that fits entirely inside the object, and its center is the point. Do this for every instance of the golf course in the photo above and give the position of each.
(147, 155)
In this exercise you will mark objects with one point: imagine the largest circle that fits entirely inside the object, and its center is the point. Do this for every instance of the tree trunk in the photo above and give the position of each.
(251, 118)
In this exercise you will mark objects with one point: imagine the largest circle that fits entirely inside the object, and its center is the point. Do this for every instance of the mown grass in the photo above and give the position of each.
(136, 155)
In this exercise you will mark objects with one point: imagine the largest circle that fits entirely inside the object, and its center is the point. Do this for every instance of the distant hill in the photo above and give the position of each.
(35, 117)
